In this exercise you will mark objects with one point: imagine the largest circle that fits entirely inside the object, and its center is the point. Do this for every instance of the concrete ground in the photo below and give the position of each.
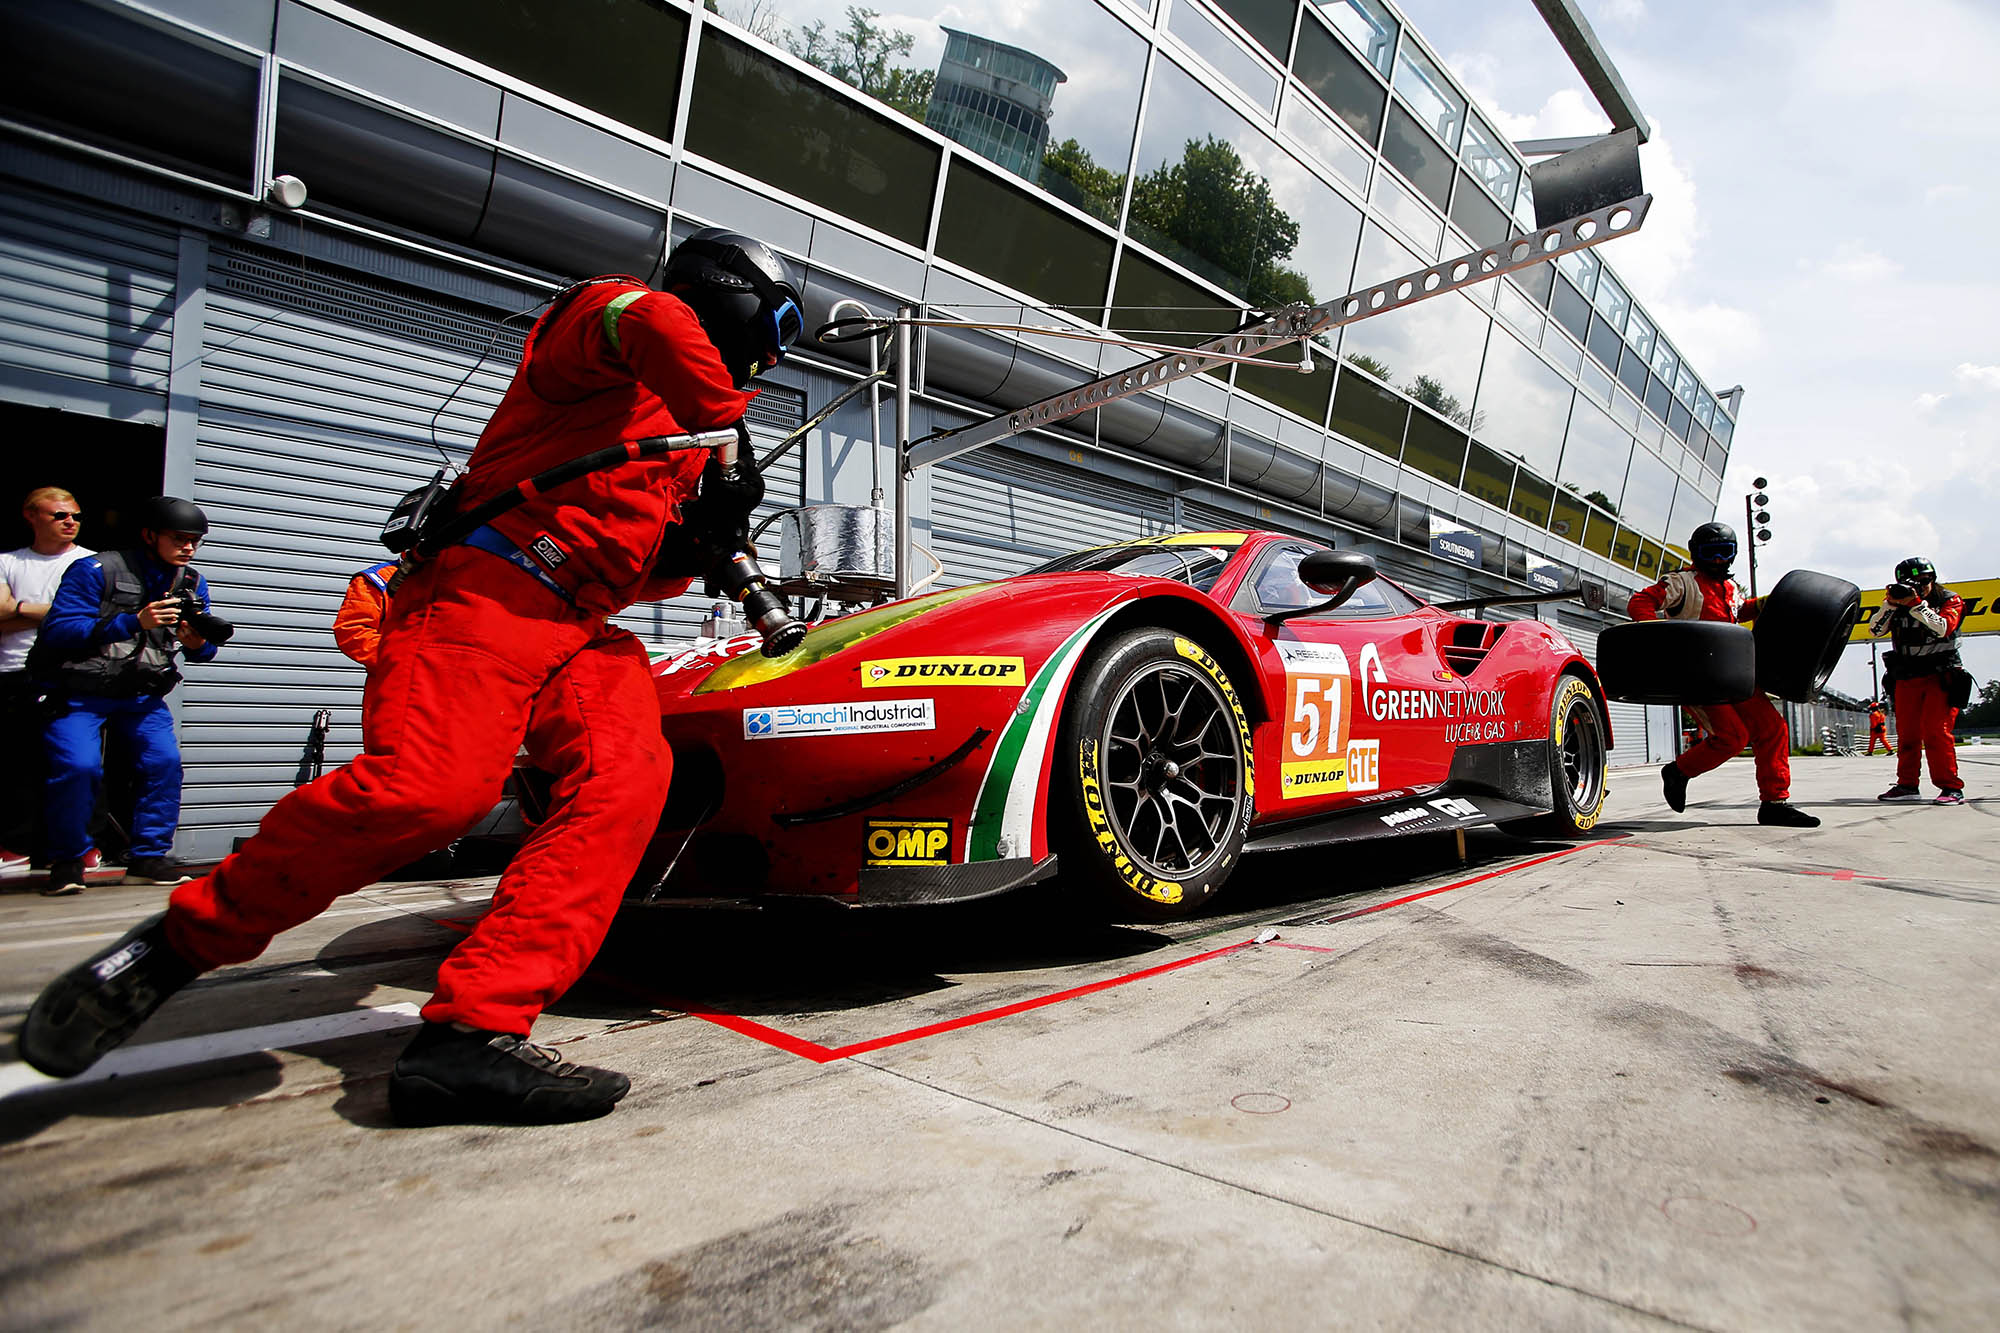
(1699, 1074)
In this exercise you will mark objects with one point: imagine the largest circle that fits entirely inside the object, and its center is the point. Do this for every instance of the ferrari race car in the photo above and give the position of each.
(1143, 714)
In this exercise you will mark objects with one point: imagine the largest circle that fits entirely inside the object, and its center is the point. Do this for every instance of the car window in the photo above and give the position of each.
(1276, 586)
(1198, 566)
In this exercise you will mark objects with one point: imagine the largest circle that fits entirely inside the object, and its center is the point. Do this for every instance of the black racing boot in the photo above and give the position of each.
(1785, 814)
(65, 879)
(1677, 787)
(155, 870)
(101, 1001)
(449, 1076)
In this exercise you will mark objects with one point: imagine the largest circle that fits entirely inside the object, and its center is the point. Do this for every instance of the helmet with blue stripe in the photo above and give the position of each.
(745, 296)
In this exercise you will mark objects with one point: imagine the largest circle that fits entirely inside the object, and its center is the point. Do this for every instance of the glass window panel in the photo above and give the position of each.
(1269, 22)
(1562, 349)
(1632, 370)
(1659, 398)
(1715, 455)
(1533, 498)
(1604, 343)
(1665, 363)
(1365, 23)
(1339, 80)
(1685, 386)
(1048, 92)
(1595, 455)
(621, 57)
(1400, 205)
(1524, 203)
(1704, 408)
(1649, 494)
(1600, 534)
(1722, 428)
(1650, 555)
(1224, 54)
(1430, 350)
(1625, 409)
(1566, 516)
(1520, 312)
(1571, 309)
(1158, 305)
(1691, 510)
(1327, 145)
(1639, 334)
(1538, 282)
(1278, 384)
(1436, 103)
(1225, 200)
(1582, 268)
(1488, 476)
(1680, 421)
(1369, 414)
(1477, 215)
(1710, 483)
(1523, 404)
(1009, 235)
(1612, 302)
(755, 115)
(1435, 448)
(1625, 548)
(1410, 149)
(1490, 161)
(1594, 381)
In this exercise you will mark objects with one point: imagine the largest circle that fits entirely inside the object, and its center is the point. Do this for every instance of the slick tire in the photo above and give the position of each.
(1579, 755)
(1677, 662)
(1153, 775)
(1801, 631)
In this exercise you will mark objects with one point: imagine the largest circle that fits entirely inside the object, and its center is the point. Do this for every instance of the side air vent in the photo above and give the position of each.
(1466, 644)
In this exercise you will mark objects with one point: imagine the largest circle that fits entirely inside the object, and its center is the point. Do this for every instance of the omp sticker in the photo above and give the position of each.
(1196, 654)
(1137, 880)
(1319, 712)
(793, 720)
(907, 842)
(889, 671)
(1364, 765)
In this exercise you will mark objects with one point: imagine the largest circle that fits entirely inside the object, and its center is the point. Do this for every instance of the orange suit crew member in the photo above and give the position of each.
(1706, 592)
(1921, 620)
(1878, 727)
(510, 622)
(357, 626)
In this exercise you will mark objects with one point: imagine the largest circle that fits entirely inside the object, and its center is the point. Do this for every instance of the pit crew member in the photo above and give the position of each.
(1920, 620)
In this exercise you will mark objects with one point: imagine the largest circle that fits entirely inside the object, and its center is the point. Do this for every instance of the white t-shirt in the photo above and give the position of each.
(31, 577)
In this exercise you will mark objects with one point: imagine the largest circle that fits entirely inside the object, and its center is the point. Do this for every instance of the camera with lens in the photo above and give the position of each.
(1902, 591)
(205, 623)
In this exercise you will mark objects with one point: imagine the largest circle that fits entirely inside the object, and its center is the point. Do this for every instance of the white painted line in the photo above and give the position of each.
(20, 1080)
(409, 909)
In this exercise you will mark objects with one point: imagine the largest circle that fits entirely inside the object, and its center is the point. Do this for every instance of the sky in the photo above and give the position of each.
(1826, 211)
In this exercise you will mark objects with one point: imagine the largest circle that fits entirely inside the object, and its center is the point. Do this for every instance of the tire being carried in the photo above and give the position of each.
(1579, 753)
(1677, 662)
(1801, 630)
(1153, 778)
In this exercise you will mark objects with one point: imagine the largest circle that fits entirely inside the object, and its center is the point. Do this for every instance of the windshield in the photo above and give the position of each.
(1197, 566)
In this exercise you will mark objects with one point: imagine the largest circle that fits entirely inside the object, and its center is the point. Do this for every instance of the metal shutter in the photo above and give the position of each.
(997, 513)
(86, 308)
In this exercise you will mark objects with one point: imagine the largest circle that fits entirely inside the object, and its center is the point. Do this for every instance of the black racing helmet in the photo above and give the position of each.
(1713, 549)
(744, 295)
(170, 513)
(1915, 570)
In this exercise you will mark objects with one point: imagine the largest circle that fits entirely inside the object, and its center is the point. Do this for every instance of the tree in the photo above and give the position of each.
(1070, 173)
(1431, 393)
(1985, 713)
(861, 54)
(1378, 368)
(1213, 205)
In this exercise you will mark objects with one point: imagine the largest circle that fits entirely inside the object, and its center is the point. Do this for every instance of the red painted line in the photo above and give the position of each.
(1309, 948)
(1464, 883)
(1837, 874)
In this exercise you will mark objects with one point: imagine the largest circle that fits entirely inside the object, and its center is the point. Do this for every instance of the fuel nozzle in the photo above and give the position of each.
(742, 581)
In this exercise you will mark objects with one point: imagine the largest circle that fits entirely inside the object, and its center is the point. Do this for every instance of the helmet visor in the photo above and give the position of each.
(1715, 551)
(782, 328)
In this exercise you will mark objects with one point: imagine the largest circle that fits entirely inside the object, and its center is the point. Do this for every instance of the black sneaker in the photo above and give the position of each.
(1677, 787)
(154, 870)
(65, 879)
(1899, 792)
(101, 1001)
(446, 1076)
(1786, 815)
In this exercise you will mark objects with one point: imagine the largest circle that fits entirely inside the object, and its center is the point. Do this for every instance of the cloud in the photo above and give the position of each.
(1623, 13)
(1938, 194)
(1855, 262)
(1978, 377)
(1927, 402)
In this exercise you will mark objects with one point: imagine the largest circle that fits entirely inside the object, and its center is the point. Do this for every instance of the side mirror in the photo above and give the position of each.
(1336, 574)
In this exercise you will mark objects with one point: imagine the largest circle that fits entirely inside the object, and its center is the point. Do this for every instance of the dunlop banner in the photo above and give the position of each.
(1982, 615)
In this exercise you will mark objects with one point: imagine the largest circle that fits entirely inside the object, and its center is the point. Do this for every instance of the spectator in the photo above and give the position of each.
(1706, 592)
(1878, 726)
(28, 581)
(1921, 620)
(106, 654)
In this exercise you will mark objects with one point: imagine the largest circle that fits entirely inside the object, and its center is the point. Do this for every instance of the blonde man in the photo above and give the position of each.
(29, 577)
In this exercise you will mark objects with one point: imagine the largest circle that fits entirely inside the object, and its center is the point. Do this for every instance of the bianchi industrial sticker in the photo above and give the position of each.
(790, 720)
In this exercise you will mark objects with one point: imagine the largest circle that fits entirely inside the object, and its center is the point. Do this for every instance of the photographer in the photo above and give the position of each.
(500, 637)
(106, 657)
(1920, 619)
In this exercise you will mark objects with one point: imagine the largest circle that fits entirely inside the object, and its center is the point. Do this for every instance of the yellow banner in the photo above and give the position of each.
(1982, 608)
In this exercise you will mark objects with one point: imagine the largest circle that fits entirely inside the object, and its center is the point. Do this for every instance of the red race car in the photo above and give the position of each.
(1144, 714)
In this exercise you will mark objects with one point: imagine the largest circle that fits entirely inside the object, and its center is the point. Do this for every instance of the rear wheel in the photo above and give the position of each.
(1579, 753)
(1155, 765)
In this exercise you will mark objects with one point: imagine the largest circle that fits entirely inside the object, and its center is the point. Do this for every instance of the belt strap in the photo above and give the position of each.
(486, 539)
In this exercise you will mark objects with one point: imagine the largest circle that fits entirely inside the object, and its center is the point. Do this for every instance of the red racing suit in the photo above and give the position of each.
(1878, 729)
(1689, 595)
(1925, 637)
(485, 647)
(357, 625)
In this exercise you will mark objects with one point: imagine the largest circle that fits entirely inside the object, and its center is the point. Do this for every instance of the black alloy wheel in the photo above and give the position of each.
(1579, 755)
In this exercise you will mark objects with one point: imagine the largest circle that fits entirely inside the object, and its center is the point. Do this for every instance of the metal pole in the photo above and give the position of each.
(1874, 670)
(1750, 544)
(904, 314)
(874, 399)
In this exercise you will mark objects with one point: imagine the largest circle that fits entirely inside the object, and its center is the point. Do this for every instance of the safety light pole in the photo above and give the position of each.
(1755, 516)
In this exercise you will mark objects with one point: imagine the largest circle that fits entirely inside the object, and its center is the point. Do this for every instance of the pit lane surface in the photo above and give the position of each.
(1704, 1074)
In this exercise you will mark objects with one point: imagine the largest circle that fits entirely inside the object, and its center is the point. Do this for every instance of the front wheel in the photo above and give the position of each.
(1155, 764)
(1578, 757)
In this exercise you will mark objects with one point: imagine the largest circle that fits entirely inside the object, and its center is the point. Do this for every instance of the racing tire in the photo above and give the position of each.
(1579, 755)
(1677, 662)
(1153, 775)
(1801, 631)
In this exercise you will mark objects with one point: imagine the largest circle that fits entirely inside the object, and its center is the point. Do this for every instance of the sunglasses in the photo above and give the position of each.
(66, 516)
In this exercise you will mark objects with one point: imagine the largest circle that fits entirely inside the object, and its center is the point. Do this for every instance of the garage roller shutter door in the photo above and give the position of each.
(997, 513)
